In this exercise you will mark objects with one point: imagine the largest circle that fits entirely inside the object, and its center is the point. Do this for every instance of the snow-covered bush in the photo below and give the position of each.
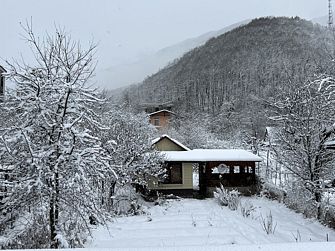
(227, 198)
(301, 200)
(161, 199)
(328, 208)
(267, 223)
(329, 216)
(28, 231)
(297, 236)
(126, 201)
(247, 208)
(273, 192)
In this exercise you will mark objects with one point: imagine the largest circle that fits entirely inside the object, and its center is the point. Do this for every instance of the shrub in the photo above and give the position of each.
(227, 198)
(247, 208)
(299, 199)
(26, 232)
(268, 224)
(126, 201)
(272, 192)
(328, 214)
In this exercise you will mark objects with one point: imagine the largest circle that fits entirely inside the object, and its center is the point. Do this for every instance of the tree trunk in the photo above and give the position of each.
(54, 213)
(318, 197)
(316, 176)
(52, 223)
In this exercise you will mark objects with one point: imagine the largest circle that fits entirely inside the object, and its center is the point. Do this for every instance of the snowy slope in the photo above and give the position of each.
(203, 225)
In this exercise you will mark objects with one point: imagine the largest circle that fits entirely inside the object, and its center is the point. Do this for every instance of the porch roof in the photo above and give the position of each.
(205, 155)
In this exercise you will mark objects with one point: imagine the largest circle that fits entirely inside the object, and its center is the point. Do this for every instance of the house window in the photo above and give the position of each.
(156, 121)
(174, 174)
(1, 85)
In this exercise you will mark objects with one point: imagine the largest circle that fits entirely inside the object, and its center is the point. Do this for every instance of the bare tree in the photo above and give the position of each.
(50, 140)
(306, 122)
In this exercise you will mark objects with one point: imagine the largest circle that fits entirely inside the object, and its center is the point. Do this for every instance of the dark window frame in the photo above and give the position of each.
(169, 169)
(2, 81)
(156, 121)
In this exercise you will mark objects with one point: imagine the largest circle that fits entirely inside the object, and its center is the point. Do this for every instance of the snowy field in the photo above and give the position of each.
(190, 224)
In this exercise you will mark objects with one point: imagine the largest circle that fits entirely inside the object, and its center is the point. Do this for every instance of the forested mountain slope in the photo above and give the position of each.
(251, 62)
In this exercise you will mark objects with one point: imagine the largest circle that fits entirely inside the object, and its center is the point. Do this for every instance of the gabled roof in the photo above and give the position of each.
(204, 155)
(165, 136)
(2, 69)
(164, 110)
(167, 103)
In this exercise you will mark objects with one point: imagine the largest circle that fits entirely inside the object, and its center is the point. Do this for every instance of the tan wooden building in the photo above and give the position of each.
(179, 179)
(233, 168)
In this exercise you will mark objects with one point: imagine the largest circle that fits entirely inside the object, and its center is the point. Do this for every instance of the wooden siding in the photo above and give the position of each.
(167, 145)
(187, 180)
(163, 117)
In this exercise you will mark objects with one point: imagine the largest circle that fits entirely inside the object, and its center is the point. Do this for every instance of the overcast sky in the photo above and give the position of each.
(128, 29)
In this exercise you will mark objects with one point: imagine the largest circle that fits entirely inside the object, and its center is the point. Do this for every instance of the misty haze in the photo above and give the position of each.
(167, 125)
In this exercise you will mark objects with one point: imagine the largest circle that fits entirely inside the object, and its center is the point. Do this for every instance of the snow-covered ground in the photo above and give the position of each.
(190, 224)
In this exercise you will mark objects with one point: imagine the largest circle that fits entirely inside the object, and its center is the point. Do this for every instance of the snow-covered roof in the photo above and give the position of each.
(173, 140)
(203, 155)
(164, 110)
(330, 143)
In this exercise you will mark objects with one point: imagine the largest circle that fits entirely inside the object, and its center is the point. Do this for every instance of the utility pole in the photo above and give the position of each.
(330, 14)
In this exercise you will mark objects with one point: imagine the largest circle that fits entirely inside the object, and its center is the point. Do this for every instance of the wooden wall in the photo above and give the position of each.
(167, 145)
(187, 170)
(164, 119)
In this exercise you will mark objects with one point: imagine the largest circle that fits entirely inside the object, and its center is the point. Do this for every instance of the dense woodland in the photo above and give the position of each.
(237, 71)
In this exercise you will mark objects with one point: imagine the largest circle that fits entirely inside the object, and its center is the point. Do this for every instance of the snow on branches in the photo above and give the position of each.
(50, 140)
(128, 141)
(305, 120)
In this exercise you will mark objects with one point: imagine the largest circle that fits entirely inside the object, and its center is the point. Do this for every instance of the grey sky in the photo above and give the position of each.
(127, 29)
